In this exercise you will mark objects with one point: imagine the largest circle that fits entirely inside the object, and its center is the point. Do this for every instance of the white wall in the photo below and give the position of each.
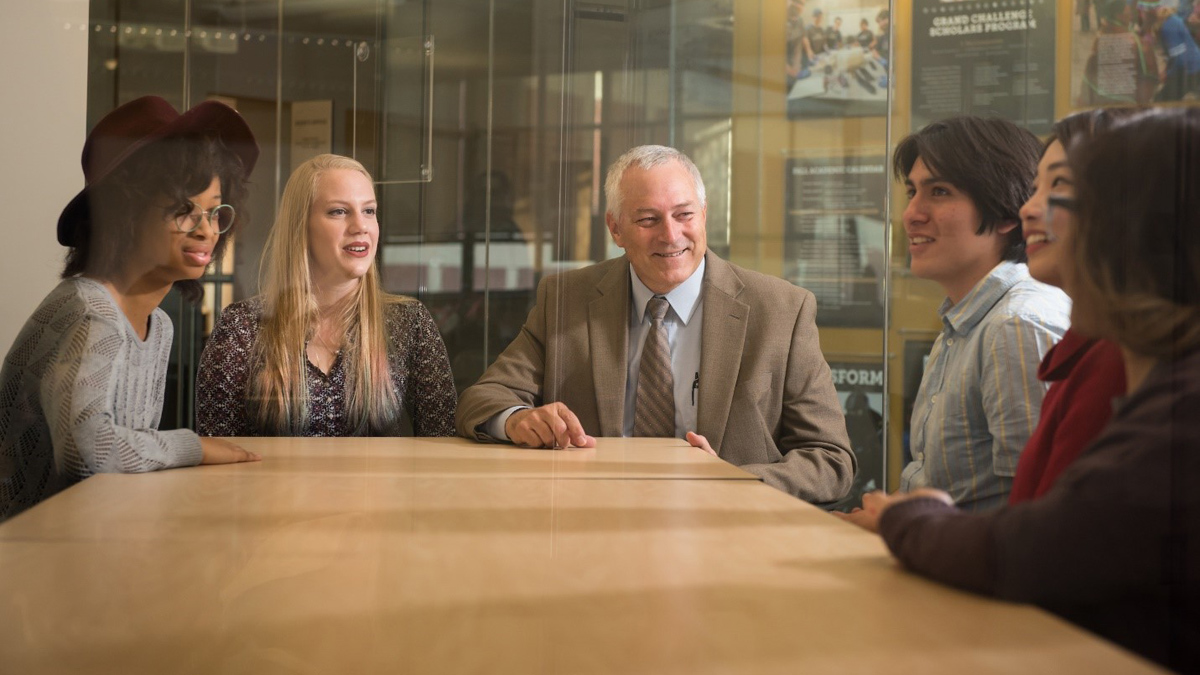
(42, 128)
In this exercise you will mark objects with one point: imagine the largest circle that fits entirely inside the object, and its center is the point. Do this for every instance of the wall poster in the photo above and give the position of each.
(860, 390)
(312, 130)
(1125, 53)
(836, 61)
(834, 236)
(993, 59)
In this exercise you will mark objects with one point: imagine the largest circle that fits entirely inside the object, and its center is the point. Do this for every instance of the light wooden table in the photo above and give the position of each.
(196, 571)
(458, 458)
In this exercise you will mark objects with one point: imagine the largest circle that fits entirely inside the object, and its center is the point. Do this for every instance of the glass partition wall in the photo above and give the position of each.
(488, 125)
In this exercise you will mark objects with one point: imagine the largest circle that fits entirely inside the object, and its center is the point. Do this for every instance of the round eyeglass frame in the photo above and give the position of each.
(219, 217)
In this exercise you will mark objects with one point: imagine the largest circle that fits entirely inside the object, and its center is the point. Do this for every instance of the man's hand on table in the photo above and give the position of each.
(550, 426)
(875, 503)
(698, 441)
(220, 451)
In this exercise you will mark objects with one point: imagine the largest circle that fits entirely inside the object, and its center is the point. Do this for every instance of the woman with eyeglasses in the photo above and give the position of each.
(324, 351)
(81, 390)
(1114, 543)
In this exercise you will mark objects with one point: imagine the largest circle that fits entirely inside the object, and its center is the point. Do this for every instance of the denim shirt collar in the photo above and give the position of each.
(962, 317)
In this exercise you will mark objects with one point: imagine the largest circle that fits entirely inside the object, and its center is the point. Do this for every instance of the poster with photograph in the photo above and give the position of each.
(1125, 53)
(993, 58)
(837, 53)
(834, 236)
(860, 391)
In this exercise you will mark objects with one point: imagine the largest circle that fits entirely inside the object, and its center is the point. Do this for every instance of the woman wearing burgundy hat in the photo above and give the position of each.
(81, 390)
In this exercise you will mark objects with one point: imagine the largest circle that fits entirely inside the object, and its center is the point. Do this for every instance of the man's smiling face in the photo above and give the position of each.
(942, 224)
(661, 225)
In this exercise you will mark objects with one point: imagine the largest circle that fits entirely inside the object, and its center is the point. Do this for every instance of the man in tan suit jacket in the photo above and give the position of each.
(763, 398)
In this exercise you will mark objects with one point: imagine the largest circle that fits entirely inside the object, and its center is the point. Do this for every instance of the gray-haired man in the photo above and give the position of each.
(730, 360)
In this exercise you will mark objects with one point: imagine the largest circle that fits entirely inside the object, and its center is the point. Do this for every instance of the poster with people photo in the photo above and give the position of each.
(837, 52)
(1135, 52)
(993, 58)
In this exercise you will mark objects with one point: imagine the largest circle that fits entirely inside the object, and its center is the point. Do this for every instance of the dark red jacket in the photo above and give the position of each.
(1085, 376)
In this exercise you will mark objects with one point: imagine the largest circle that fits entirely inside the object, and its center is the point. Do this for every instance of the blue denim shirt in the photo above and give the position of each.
(980, 398)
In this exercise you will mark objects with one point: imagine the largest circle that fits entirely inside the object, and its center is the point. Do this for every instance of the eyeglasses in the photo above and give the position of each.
(219, 217)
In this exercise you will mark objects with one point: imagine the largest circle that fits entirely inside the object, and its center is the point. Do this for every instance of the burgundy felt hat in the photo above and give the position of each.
(137, 124)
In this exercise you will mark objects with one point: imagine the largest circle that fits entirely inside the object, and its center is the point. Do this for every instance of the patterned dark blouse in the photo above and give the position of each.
(417, 357)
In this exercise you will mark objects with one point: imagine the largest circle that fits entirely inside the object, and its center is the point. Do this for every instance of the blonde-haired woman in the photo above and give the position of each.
(324, 351)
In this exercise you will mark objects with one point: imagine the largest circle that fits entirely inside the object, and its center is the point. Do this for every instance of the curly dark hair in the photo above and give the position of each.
(170, 170)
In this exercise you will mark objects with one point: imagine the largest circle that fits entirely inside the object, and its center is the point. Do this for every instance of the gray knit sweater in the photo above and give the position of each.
(81, 393)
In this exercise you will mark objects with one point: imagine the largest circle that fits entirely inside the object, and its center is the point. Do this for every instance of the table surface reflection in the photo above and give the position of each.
(666, 458)
(254, 571)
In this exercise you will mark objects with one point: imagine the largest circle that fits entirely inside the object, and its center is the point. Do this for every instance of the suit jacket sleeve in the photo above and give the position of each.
(817, 464)
(515, 379)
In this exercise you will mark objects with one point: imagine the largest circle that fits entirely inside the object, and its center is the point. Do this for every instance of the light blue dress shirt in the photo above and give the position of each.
(684, 322)
(980, 398)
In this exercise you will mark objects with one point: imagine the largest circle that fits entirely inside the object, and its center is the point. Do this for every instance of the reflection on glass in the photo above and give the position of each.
(489, 132)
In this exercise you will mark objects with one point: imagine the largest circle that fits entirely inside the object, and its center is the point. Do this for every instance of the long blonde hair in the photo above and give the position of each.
(279, 387)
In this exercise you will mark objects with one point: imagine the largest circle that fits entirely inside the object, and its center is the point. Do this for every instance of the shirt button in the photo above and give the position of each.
(920, 457)
(933, 399)
(950, 341)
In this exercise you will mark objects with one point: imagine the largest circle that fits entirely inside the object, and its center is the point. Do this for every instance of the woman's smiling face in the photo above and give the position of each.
(1048, 229)
(343, 232)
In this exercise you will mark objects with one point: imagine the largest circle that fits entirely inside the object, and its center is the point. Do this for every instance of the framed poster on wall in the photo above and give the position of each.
(834, 236)
(993, 59)
(860, 390)
(837, 58)
(1134, 53)
(312, 130)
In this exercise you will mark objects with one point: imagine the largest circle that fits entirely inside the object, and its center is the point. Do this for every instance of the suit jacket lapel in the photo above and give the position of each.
(723, 336)
(608, 333)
